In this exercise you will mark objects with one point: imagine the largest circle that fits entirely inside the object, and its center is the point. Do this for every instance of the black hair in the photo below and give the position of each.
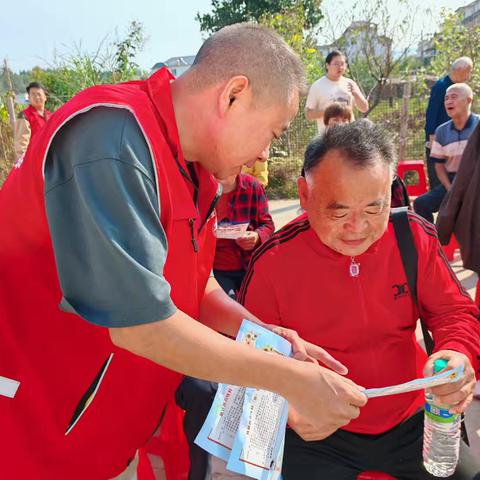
(333, 54)
(35, 85)
(361, 143)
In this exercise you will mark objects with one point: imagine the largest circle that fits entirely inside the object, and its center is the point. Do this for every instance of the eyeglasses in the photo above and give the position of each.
(338, 64)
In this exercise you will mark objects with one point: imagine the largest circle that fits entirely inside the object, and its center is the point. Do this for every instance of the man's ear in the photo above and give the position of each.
(235, 90)
(303, 192)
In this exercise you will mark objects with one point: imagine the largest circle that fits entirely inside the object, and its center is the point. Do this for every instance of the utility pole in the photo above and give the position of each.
(10, 94)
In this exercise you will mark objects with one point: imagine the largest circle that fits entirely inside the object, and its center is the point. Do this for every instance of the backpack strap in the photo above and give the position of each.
(409, 255)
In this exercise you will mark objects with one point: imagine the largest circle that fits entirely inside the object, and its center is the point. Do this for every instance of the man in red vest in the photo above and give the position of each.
(107, 245)
(32, 119)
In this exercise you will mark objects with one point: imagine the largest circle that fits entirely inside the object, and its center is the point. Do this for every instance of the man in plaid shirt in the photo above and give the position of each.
(243, 201)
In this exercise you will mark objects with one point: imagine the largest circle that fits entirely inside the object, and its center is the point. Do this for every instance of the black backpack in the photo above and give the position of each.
(400, 196)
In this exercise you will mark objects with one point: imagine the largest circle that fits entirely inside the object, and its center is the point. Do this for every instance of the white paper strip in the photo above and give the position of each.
(446, 376)
(8, 387)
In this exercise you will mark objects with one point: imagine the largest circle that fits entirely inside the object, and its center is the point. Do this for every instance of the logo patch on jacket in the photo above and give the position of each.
(400, 290)
(19, 162)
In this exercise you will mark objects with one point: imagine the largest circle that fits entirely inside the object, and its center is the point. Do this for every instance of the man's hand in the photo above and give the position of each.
(248, 241)
(306, 351)
(458, 395)
(335, 399)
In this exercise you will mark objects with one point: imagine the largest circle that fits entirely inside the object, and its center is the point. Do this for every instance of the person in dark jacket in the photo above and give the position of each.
(459, 212)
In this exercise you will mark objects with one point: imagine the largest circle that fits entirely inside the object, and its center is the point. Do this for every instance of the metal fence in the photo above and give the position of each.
(401, 116)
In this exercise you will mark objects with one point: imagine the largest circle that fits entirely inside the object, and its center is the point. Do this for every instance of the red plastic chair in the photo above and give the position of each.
(170, 445)
(420, 186)
(375, 476)
(450, 248)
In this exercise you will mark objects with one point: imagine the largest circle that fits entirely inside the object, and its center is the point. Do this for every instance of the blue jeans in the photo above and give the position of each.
(429, 203)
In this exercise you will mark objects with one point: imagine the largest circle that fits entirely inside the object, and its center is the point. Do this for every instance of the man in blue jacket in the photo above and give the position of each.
(460, 72)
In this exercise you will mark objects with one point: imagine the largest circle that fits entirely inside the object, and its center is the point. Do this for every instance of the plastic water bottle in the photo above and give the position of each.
(441, 434)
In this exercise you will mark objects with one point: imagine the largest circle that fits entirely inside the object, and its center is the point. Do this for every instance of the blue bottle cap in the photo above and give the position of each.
(439, 365)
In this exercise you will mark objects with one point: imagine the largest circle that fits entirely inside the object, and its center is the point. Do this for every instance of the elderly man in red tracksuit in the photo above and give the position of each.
(343, 286)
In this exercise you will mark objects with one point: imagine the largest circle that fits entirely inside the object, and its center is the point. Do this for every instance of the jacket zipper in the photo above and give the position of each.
(365, 316)
(191, 221)
(215, 200)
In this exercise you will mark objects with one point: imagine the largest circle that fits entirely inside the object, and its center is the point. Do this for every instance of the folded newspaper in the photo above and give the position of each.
(245, 427)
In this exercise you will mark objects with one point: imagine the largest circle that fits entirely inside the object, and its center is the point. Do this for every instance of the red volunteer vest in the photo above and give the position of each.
(59, 358)
(36, 120)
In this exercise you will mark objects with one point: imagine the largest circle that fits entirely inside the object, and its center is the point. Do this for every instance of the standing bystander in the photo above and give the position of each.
(333, 87)
(32, 119)
(243, 200)
(460, 72)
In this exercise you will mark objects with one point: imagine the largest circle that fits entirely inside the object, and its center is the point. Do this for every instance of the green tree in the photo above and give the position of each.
(6, 142)
(126, 50)
(452, 41)
(227, 12)
(290, 24)
(77, 69)
(376, 43)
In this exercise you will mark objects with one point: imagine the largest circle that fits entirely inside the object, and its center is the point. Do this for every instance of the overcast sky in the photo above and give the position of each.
(36, 29)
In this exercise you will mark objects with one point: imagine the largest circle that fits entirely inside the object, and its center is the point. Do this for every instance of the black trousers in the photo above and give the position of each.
(343, 455)
(195, 397)
(230, 280)
(433, 180)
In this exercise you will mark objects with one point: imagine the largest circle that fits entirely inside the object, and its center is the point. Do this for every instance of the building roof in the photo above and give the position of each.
(185, 61)
(470, 13)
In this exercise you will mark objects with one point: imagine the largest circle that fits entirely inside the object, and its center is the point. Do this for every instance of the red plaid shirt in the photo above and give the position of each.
(247, 203)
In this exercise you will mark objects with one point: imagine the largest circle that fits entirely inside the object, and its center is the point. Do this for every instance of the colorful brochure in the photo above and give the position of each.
(231, 230)
(246, 426)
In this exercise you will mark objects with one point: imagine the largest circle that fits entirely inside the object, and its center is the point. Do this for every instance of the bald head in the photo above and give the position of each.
(274, 70)
(461, 69)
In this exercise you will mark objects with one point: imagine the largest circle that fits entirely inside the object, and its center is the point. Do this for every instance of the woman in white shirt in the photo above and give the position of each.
(333, 87)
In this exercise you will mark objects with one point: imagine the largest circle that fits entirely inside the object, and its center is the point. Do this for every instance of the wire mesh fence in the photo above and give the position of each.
(402, 117)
